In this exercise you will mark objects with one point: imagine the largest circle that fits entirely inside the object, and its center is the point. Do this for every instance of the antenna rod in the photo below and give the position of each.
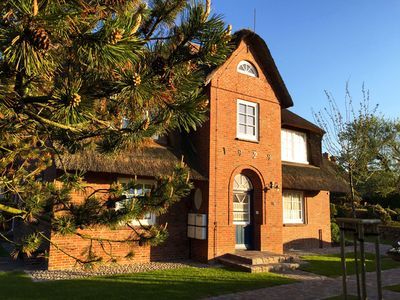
(255, 13)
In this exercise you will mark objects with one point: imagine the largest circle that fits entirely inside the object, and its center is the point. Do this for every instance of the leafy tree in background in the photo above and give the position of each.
(383, 185)
(347, 137)
(70, 73)
(365, 145)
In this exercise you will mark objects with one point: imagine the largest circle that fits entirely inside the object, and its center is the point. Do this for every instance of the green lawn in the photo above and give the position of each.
(394, 288)
(340, 297)
(184, 283)
(330, 265)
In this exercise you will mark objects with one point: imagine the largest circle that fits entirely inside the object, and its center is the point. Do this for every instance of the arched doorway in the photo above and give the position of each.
(242, 211)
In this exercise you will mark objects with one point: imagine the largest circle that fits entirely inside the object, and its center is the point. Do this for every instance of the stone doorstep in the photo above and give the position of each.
(256, 261)
(258, 257)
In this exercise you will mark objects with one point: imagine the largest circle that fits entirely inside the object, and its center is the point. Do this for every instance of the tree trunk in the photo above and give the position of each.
(351, 183)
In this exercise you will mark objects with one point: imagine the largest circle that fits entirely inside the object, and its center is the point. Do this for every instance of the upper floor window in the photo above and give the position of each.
(293, 207)
(141, 188)
(294, 146)
(247, 68)
(247, 120)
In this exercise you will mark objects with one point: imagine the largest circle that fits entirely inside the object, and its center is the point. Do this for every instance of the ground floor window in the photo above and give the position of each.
(293, 207)
(141, 188)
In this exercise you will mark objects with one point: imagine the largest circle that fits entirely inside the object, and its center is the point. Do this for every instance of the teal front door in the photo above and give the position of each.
(242, 208)
(244, 236)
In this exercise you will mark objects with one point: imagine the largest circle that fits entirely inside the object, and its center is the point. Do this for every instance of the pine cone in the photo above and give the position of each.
(39, 38)
(75, 100)
(214, 49)
(116, 36)
(227, 36)
(146, 124)
(136, 79)
(203, 105)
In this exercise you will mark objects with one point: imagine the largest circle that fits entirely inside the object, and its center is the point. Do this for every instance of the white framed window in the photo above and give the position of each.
(142, 187)
(293, 207)
(247, 120)
(242, 188)
(247, 68)
(294, 146)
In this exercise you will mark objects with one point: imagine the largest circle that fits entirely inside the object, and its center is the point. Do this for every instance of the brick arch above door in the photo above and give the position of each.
(256, 179)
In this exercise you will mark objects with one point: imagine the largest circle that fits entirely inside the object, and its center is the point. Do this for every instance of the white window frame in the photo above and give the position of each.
(251, 70)
(291, 150)
(151, 220)
(246, 136)
(247, 209)
(288, 218)
(242, 185)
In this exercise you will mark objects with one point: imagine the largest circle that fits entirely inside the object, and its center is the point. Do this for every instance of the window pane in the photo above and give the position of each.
(251, 110)
(242, 108)
(242, 129)
(139, 191)
(242, 119)
(251, 120)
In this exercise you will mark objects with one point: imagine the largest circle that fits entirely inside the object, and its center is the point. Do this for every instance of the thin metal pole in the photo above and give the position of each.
(362, 250)
(378, 267)
(343, 258)
(356, 264)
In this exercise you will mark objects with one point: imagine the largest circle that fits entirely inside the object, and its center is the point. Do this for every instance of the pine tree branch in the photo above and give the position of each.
(37, 99)
(12, 210)
(78, 260)
(51, 123)
(91, 238)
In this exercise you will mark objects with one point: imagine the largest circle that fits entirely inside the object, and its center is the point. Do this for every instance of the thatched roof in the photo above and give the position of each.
(150, 161)
(311, 178)
(266, 63)
(290, 119)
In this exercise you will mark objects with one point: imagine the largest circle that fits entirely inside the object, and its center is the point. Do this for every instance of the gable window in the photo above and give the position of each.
(294, 146)
(141, 189)
(247, 68)
(293, 207)
(247, 120)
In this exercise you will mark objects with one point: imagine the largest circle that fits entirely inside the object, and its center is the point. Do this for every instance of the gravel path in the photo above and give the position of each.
(42, 275)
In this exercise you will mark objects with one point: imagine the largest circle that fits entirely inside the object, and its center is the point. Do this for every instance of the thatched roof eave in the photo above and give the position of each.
(146, 161)
(311, 178)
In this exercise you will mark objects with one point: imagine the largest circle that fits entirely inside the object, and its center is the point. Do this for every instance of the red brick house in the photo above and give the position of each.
(260, 180)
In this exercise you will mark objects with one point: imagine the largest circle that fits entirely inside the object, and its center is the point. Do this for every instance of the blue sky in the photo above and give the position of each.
(320, 45)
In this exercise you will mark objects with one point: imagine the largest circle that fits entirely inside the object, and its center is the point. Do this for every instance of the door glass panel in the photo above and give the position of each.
(241, 208)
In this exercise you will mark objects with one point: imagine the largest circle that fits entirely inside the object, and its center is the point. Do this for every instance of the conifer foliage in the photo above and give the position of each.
(70, 73)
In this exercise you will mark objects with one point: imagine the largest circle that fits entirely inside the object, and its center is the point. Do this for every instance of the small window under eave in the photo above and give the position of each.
(247, 68)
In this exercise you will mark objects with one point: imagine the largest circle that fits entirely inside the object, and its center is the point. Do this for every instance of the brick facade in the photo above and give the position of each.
(176, 246)
(221, 156)
(316, 230)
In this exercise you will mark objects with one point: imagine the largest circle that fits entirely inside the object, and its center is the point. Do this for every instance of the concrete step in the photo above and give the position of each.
(262, 258)
(258, 268)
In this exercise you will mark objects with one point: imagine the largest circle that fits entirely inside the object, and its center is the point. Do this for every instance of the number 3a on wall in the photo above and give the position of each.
(254, 154)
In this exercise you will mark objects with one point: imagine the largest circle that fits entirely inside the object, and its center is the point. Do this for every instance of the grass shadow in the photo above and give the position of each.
(184, 283)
